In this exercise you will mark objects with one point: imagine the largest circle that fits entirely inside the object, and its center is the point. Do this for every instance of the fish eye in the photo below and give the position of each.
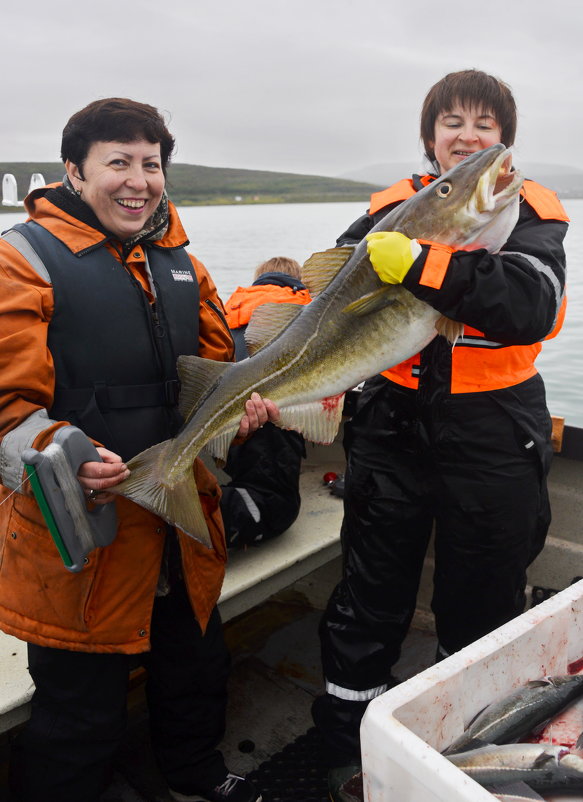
(443, 190)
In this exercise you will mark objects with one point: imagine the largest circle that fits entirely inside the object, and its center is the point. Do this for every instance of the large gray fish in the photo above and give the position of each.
(510, 763)
(306, 357)
(521, 712)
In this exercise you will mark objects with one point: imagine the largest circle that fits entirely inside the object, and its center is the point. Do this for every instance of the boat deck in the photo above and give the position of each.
(276, 675)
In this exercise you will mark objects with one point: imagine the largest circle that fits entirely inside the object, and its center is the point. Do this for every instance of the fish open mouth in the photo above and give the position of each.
(498, 185)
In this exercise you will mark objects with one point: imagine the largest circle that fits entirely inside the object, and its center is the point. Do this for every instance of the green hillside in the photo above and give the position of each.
(194, 185)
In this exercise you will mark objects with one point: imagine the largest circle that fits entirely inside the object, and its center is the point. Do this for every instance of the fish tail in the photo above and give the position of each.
(178, 504)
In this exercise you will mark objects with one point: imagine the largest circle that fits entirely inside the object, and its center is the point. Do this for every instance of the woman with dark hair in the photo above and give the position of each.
(98, 298)
(454, 440)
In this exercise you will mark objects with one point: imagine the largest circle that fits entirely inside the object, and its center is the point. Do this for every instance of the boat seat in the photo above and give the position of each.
(252, 575)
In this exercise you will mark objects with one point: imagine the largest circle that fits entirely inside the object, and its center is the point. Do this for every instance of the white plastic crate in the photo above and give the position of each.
(405, 729)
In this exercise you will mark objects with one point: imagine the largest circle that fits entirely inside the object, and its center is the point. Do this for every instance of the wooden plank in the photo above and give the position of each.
(557, 433)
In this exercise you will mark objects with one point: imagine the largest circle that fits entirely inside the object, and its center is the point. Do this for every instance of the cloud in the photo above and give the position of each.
(298, 85)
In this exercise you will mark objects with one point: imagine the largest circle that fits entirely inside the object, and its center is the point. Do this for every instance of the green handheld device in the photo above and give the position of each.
(75, 529)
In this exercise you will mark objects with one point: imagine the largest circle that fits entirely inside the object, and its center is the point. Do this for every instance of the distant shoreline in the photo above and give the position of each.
(198, 185)
(220, 202)
(261, 202)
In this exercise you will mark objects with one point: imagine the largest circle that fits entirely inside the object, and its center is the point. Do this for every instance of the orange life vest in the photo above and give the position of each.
(477, 364)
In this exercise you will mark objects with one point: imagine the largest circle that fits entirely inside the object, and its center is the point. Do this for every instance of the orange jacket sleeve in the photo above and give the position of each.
(215, 340)
(26, 365)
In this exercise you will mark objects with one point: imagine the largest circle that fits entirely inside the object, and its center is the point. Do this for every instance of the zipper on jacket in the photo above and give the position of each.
(217, 311)
(158, 328)
(212, 305)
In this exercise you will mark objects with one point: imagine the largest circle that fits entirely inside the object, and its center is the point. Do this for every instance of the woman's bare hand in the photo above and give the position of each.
(96, 477)
(258, 411)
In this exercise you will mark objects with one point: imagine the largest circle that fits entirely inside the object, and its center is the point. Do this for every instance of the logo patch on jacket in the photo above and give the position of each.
(181, 275)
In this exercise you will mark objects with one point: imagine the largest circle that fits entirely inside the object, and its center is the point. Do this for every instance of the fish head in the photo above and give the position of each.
(474, 205)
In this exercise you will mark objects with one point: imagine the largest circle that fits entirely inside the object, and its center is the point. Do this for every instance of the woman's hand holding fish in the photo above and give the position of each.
(391, 254)
(96, 477)
(257, 412)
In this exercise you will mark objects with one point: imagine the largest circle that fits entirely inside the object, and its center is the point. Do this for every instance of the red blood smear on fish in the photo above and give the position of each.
(566, 727)
(329, 404)
(575, 667)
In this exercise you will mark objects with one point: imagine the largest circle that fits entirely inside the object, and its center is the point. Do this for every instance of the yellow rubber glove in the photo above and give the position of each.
(392, 254)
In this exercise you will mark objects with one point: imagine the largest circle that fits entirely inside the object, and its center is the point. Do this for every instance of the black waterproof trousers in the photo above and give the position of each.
(471, 468)
(79, 710)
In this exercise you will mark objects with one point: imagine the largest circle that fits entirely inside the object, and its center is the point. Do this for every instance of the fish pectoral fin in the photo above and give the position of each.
(320, 268)
(178, 504)
(318, 421)
(372, 302)
(452, 330)
(267, 323)
(197, 375)
(545, 757)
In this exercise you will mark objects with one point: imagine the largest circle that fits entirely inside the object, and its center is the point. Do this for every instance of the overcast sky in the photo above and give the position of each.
(304, 86)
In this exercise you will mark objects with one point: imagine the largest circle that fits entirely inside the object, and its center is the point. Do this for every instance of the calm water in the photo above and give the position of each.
(233, 240)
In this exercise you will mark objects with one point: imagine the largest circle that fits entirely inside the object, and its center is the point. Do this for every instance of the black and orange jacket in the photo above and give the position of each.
(270, 287)
(278, 288)
(509, 301)
(107, 606)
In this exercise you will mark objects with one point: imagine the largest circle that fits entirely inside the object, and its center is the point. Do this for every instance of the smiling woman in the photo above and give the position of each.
(116, 153)
(453, 441)
(98, 298)
(122, 182)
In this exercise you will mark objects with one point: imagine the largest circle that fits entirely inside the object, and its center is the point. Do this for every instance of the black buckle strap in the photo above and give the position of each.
(119, 396)
(171, 392)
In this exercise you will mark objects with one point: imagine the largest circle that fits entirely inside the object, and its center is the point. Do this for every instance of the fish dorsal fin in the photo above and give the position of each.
(318, 421)
(477, 716)
(319, 270)
(196, 376)
(372, 302)
(267, 322)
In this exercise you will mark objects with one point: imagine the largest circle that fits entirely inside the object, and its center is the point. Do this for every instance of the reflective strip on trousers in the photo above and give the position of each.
(250, 504)
(350, 695)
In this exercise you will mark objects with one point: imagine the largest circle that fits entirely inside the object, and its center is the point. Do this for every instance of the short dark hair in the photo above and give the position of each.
(471, 89)
(114, 119)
